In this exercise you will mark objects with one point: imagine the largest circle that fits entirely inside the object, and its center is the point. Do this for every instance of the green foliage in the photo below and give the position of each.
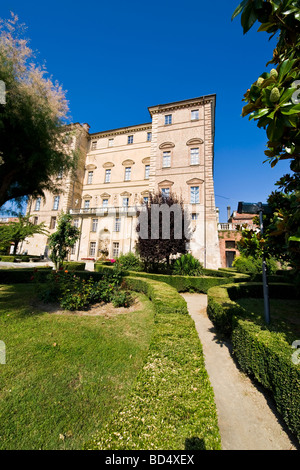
(73, 266)
(252, 266)
(32, 137)
(262, 352)
(187, 265)
(74, 292)
(121, 298)
(63, 239)
(130, 262)
(267, 357)
(273, 99)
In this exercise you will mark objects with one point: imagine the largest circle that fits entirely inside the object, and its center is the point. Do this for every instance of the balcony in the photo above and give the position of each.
(111, 211)
(226, 226)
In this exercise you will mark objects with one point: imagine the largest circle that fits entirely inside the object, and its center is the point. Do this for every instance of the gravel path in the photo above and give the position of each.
(247, 418)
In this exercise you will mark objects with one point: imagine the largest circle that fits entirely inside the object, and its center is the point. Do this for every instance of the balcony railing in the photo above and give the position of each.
(227, 226)
(106, 211)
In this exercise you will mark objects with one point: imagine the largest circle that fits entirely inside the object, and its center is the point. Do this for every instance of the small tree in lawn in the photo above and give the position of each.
(163, 229)
(62, 240)
(17, 232)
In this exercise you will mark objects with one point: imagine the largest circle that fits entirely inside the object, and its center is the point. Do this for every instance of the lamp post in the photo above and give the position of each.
(254, 208)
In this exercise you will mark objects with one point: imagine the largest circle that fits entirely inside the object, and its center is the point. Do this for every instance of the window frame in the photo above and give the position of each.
(197, 115)
(195, 195)
(90, 177)
(192, 155)
(166, 155)
(127, 173)
(56, 203)
(92, 251)
(147, 172)
(94, 227)
(130, 139)
(38, 204)
(117, 224)
(107, 175)
(168, 119)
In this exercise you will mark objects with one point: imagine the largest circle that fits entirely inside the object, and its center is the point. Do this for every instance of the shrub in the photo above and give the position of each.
(253, 266)
(187, 265)
(130, 262)
(121, 298)
(7, 258)
(73, 266)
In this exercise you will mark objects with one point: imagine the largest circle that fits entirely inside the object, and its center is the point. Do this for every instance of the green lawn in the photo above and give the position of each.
(284, 315)
(64, 374)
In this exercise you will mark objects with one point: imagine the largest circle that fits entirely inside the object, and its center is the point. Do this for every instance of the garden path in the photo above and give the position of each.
(247, 417)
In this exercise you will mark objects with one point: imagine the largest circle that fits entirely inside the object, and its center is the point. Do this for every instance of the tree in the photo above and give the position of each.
(272, 100)
(163, 229)
(62, 240)
(17, 232)
(33, 116)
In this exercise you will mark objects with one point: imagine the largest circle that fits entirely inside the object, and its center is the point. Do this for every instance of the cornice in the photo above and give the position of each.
(162, 108)
(122, 130)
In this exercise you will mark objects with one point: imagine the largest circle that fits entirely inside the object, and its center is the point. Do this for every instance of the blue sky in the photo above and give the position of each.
(115, 59)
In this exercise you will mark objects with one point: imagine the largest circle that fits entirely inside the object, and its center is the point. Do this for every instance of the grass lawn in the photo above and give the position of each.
(64, 374)
(284, 315)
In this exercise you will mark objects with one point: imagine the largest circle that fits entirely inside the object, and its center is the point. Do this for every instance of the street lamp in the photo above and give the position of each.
(259, 208)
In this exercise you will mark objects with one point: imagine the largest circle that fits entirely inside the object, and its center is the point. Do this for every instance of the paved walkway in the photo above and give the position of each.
(247, 421)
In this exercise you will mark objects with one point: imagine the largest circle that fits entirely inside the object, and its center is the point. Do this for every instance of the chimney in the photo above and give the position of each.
(228, 213)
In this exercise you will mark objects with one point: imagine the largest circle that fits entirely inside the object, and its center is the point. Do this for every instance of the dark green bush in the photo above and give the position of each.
(263, 354)
(7, 258)
(253, 266)
(23, 275)
(266, 356)
(130, 262)
(74, 266)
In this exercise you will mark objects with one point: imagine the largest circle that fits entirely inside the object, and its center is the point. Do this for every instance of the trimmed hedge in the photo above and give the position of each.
(7, 258)
(184, 283)
(23, 275)
(171, 406)
(261, 353)
(74, 266)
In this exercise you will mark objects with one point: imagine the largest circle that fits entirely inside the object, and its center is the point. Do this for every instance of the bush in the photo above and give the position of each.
(130, 262)
(187, 265)
(7, 258)
(121, 298)
(253, 266)
(73, 266)
(263, 354)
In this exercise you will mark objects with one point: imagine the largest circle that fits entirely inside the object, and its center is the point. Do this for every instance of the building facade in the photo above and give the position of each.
(229, 235)
(117, 169)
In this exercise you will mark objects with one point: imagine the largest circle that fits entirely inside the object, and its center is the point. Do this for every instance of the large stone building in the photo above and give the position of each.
(118, 168)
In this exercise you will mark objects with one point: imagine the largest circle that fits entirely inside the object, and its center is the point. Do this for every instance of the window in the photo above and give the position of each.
(110, 142)
(115, 252)
(168, 119)
(90, 177)
(194, 156)
(73, 249)
(194, 194)
(230, 244)
(76, 223)
(128, 173)
(94, 145)
(56, 203)
(92, 248)
(165, 192)
(194, 216)
(125, 201)
(117, 224)
(195, 114)
(87, 204)
(166, 159)
(149, 136)
(104, 202)
(35, 220)
(130, 139)
(38, 204)
(147, 172)
(53, 222)
(94, 225)
(107, 175)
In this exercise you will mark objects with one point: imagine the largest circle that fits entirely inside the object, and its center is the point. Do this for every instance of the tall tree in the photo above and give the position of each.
(163, 229)
(62, 240)
(17, 232)
(33, 116)
(273, 101)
